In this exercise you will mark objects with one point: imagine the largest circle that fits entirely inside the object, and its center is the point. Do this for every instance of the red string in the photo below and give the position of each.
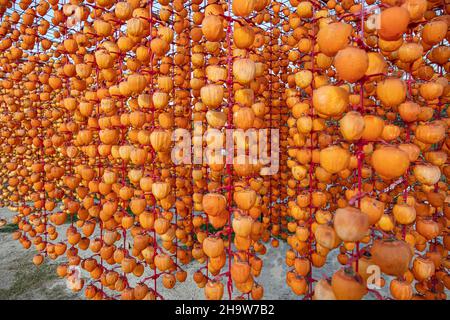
(230, 151)
(408, 139)
(360, 144)
(99, 161)
(311, 168)
(152, 151)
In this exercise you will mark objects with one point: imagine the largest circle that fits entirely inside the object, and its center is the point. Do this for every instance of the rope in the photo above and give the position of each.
(360, 153)
(230, 151)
